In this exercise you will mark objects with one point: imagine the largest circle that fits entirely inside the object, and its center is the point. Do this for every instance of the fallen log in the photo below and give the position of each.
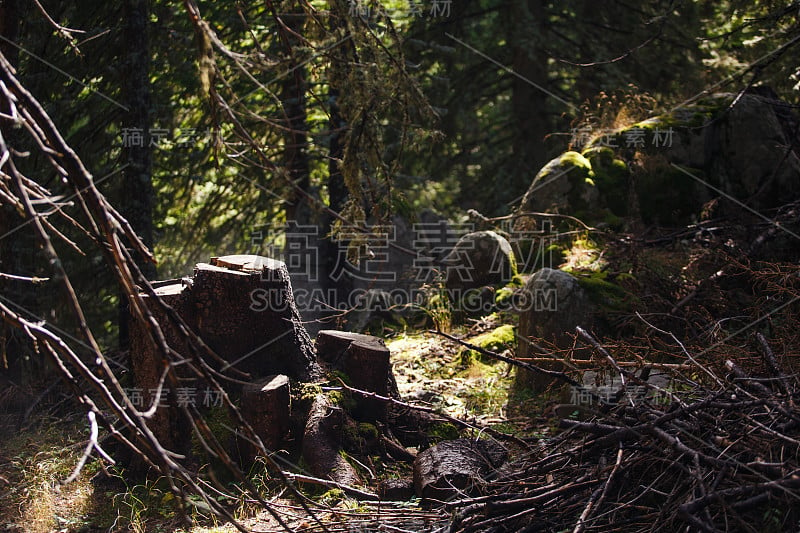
(322, 443)
(455, 466)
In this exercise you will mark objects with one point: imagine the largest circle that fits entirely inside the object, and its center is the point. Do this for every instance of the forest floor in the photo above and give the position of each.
(707, 297)
(37, 454)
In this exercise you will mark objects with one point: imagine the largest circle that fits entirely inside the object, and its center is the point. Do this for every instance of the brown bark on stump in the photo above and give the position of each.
(364, 359)
(242, 307)
(265, 405)
(168, 423)
(246, 313)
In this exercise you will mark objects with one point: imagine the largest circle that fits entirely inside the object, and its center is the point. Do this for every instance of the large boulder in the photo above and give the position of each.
(479, 259)
(553, 304)
(564, 184)
(664, 169)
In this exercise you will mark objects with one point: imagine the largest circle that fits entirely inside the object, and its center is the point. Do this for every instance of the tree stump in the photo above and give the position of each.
(243, 308)
(168, 423)
(265, 405)
(453, 466)
(364, 360)
(245, 312)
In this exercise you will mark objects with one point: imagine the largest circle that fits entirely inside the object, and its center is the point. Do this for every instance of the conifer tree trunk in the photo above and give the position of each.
(137, 187)
(529, 102)
(293, 99)
(15, 244)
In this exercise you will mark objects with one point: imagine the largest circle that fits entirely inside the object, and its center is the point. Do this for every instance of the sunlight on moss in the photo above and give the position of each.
(584, 254)
(497, 340)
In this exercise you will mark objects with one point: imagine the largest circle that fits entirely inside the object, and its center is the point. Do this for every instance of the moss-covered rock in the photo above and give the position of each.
(611, 176)
(607, 295)
(664, 169)
(564, 184)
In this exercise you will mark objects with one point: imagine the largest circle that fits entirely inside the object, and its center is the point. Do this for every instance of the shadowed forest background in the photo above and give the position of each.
(275, 128)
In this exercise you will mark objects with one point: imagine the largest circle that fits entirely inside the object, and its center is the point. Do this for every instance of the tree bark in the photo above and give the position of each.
(242, 307)
(528, 102)
(148, 364)
(293, 99)
(136, 201)
(364, 360)
(265, 405)
(246, 313)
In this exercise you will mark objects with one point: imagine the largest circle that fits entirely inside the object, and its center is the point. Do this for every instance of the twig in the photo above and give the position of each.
(454, 420)
(33, 279)
(92, 445)
(533, 368)
(772, 363)
(594, 500)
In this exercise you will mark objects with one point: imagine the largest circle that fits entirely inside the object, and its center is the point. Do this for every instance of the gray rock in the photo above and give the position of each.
(552, 304)
(479, 259)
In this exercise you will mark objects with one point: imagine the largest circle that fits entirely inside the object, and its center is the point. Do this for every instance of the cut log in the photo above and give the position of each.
(364, 360)
(453, 466)
(322, 442)
(246, 313)
(265, 405)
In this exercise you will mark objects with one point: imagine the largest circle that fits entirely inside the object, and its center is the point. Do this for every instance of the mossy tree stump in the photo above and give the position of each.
(364, 361)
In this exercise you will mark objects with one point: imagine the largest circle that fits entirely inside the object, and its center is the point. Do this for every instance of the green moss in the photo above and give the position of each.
(612, 178)
(443, 431)
(517, 281)
(512, 259)
(602, 292)
(496, 340)
(367, 431)
(503, 295)
(572, 165)
(332, 497)
(576, 159)
(305, 391)
(341, 399)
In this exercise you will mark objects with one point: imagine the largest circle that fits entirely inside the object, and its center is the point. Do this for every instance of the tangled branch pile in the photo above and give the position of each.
(720, 457)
